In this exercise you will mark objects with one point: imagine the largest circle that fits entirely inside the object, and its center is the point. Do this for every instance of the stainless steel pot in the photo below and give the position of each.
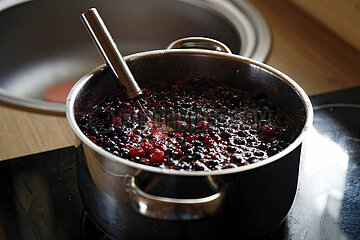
(133, 201)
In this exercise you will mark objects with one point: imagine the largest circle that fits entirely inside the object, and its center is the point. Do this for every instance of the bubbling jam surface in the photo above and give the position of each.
(194, 126)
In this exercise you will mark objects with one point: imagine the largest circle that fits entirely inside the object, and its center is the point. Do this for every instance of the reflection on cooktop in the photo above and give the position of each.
(328, 201)
(39, 196)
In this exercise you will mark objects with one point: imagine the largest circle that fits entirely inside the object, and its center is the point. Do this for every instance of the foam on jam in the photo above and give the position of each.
(194, 126)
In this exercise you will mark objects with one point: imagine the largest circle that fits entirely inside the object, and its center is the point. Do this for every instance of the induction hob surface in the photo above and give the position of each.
(39, 198)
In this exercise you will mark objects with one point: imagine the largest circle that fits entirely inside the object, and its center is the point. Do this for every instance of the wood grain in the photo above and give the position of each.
(24, 132)
(315, 57)
(342, 17)
(307, 51)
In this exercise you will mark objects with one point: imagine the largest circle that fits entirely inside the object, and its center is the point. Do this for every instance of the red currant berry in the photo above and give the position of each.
(180, 125)
(146, 161)
(192, 138)
(206, 138)
(126, 105)
(137, 152)
(268, 130)
(92, 138)
(147, 147)
(116, 121)
(157, 155)
(203, 125)
(177, 115)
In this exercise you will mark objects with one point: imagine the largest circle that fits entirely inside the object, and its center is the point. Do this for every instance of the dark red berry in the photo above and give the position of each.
(116, 121)
(157, 155)
(176, 116)
(203, 125)
(146, 161)
(126, 105)
(191, 138)
(206, 138)
(268, 131)
(92, 138)
(147, 147)
(180, 125)
(137, 152)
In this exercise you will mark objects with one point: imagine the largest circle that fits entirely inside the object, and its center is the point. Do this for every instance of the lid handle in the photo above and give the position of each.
(199, 43)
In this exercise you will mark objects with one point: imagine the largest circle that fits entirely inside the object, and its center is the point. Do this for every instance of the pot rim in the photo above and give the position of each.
(297, 89)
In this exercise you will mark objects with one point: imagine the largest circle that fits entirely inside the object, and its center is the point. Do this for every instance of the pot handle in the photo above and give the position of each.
(165, 208)
(199, 43)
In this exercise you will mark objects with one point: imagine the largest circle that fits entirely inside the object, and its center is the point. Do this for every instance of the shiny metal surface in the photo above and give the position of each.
(43, 43)
(262, 30)
(40, 199)
(167, 208)
(103, 177)
(108, 49)
(199, 43)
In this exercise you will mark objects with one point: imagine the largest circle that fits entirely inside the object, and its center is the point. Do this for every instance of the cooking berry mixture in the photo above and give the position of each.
(194, 126)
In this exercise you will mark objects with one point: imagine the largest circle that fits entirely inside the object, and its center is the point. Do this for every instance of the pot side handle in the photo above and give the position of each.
(165, 208)
(199, 43)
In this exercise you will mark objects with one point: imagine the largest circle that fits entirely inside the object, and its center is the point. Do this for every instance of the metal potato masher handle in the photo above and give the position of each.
(109, 51)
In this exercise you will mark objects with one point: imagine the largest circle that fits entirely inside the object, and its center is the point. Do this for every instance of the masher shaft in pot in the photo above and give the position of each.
(109, 51)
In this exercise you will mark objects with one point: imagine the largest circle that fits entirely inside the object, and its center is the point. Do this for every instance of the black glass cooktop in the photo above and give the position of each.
(39, 198)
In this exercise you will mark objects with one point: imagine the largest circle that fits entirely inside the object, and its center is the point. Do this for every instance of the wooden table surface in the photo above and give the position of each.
(318, 59)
